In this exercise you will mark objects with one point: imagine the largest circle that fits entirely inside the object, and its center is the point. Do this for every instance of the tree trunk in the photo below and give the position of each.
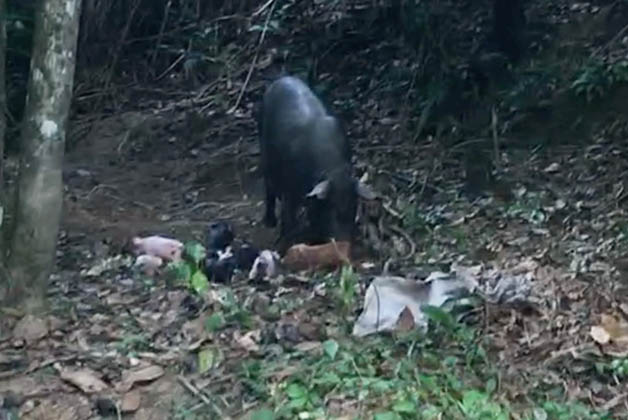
(40, 185)
(3, 104)
(509, 22)
(3, 129)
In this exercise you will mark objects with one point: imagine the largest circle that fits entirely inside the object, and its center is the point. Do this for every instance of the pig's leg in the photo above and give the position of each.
(288, 220)
(270, 219)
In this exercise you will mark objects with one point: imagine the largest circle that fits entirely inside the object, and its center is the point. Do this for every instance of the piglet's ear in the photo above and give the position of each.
(320, 190)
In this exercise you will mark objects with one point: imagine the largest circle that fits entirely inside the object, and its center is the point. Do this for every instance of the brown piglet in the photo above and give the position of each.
(330, 255)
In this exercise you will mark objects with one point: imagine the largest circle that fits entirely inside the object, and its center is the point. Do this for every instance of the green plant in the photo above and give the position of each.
(132, 343)
(188, 271)
(476, 405)
(410, 376)
(572, 411)
(529, 208)
(347, 288)
(617, 367)
(597, 77)
(415, 221)
(253, 379)
(230, 313)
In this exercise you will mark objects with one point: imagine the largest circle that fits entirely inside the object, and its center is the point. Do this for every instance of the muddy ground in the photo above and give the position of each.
(139, 174)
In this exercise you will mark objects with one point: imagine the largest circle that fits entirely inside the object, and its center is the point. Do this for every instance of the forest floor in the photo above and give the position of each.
(567, 235)
(120, 345)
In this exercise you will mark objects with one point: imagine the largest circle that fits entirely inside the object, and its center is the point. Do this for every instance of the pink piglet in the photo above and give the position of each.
(158, 246)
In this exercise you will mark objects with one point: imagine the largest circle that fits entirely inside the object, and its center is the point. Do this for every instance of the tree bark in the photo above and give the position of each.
(40, 185)
(509, 22)
(3, 129)
(3, 101)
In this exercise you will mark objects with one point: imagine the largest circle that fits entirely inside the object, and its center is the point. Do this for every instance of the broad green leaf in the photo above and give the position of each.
(439, 316)
(295, 391)
(388, 415)
(195, 251)
(207, 358)
(298, 402)
(263, 414)
(199, 282)
(331, 348)
(404, 406)
(181, 271)
(491, 386)
(214, 322)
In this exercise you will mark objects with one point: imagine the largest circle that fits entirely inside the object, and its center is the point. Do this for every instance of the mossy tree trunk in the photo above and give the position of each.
(3, 130)
(40, 186)
(3, 115)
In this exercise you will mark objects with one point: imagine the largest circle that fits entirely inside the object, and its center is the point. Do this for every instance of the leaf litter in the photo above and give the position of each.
(550, 268)
(551, 303)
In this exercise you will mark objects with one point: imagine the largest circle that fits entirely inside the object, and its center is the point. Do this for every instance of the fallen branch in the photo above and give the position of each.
(191, 388)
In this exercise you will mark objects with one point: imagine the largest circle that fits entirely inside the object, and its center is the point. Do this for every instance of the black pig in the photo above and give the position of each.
(219, 235)
(220, 265)
(245, 256)
(306, 160)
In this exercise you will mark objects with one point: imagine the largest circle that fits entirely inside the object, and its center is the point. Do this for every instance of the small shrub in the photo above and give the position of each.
(597, 78)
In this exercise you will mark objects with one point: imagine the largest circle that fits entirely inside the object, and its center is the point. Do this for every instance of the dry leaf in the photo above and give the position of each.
(617, 329)
(55, 323)
(30, 329)
(308, 346)
(552, 168)
(284, 373)
(85, 379)
(406, 320)
(600, 335)
(130, 377)
(249, 340)
(130, 401)
(610, 329)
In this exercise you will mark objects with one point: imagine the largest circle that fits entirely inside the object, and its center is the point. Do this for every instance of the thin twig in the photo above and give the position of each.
(257, 51)
(161, 32)
(116, 55)
(427, 177)
(264, 6)
(170, 67)
(495, 136)
(615, 38)
(407, 237)
(126, 137)
(187, 385)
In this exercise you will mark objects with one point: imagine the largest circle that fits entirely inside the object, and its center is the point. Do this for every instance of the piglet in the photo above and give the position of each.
(157, 246)
(149, 264)
(315, 257)
(245, 256)
(219, 235)
(264, 266)
(220, 265)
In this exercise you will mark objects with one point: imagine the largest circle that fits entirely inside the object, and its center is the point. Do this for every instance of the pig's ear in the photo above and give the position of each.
(364, 191)
(320, 190)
